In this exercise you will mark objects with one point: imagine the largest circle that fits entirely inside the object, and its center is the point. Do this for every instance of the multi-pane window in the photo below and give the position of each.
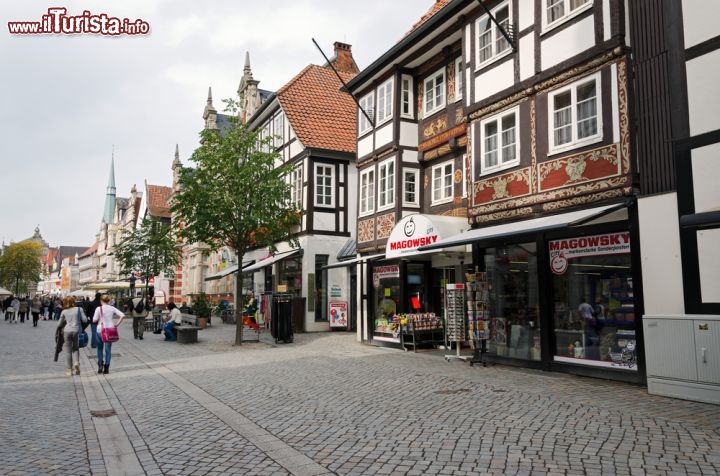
(575, 114)
(491, 43)
(385, 101)
(458, 79)
(558, 10)
(367, 191)
(367, 103)
(411, 194)
(264, 135)
(434, 97)
(278, 130)
(499, 141)
(297, 186)
(386, 184)
(324, 185)
(407, 96)
(442, 183)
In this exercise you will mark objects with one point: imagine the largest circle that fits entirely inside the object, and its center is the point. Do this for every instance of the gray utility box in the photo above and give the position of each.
(683, 356)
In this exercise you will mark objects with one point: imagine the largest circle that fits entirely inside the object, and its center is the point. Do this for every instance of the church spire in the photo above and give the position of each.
(210, 113)
(110, 193)
(209, 99)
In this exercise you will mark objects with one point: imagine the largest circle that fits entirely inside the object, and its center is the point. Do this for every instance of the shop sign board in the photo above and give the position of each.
(338, 314)
(409, 234)
(562, 251)
(335, 291)
(385, 272)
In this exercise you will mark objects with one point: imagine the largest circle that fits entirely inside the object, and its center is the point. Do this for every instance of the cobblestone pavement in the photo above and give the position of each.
(327, 405)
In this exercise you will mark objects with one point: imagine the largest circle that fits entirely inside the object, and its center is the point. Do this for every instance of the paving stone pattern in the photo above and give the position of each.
(350, 408)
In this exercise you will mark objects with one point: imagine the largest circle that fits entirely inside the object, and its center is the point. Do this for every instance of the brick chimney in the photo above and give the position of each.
(343, 60)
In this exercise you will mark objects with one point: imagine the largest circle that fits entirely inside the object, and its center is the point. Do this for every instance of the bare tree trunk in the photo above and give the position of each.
(238, 305)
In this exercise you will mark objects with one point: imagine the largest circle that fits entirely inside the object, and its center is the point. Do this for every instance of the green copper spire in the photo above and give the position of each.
(110, 195)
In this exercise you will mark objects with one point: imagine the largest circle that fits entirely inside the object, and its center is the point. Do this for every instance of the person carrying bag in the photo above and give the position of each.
(71, 322)
(107, 329)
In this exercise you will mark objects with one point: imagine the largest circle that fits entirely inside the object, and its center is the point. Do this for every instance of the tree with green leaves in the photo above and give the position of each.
(150, 249)
(20, 266)
(237, 195)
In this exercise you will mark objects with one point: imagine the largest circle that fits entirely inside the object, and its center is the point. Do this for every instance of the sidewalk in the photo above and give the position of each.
(328, 405)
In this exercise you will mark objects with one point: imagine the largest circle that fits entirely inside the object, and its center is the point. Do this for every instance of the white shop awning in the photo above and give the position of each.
(410, 235)
(227, 271)
(534, 225)
(351, 262)
(270, 260)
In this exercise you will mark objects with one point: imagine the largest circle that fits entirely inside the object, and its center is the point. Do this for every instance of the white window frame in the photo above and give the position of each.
(575, 143)
(279, 135)
(459, 80)
(410, 96)
(495, 35)
(367, 103)
(427, 112)
(547, 26)
(325, 167)
(443, 198)
(497, 118)
(386, 186)
(264, 135)
(367, 191)
(416, 177)
(296, 181)
(384, 94)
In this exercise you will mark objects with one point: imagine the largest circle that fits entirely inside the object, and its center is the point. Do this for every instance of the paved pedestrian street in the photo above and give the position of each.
(327, 405)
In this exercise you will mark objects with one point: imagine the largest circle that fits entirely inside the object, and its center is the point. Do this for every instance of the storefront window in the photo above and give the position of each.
(416, 299)
(512, 275)
(386, 284)
(291, 275)
(594, 316)
(321, 288)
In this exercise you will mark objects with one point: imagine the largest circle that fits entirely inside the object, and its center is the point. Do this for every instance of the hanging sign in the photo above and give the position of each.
(561, 251)
(385, 272)
(409, 234)
(338, 314)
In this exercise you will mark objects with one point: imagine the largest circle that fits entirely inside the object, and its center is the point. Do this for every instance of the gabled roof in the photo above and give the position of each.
(158, 201)
(321, 115)
(89, 251)
(51, 256)
(70, 251)
(437, 6)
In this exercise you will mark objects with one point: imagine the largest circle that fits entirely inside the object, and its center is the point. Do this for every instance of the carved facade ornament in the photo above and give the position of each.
(420, 86)
(450, 73)
(499, 185)
(366, 230)
(576, 165)
(533, 147)
(575, 168)
(426, 181)
(460, 117)
(595, 197)
(458, 176)
(385, 224)
(488, 217)
(435, 127)
(623, 111)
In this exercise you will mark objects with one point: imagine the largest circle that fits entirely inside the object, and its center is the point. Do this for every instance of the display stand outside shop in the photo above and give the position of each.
(455, 309)
(477, 296)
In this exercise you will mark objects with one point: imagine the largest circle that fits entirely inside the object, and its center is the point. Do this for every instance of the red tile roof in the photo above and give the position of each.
(89, 251)
(437, 6)
(321, 115)
(51, 255)
(158, 200)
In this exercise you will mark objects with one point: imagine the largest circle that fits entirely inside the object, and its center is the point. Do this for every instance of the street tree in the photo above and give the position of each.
(237, 195)
(149, 249)
(20, 266)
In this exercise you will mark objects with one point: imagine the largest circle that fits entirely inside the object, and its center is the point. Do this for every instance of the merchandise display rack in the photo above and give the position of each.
(455, 309)
(422, 328)
(477, 296)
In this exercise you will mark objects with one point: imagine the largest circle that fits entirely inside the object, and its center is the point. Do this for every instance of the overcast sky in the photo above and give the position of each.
(65, 100)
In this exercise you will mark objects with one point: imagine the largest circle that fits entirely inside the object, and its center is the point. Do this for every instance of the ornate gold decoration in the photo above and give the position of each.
(460, 117)
(450, 72)
(595, 197)
(426, 181)
(456, 212)
(366, 230)
(533, 147)
(458, 176)
(575, 165)
(575, 168)
(500, 184)
(435, 127)
(385, 224)
(623, 111)
(516, 212)
(420, 85)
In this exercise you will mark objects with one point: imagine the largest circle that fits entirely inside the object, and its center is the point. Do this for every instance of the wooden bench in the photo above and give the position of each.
(188, 331)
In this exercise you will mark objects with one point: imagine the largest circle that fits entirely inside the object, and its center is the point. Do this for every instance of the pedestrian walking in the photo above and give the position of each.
(92, 307)
(45, 308)
(23, 310)
(58, 307)
(103, 317)
(73, 320)
(35, 307)
(139, 311)
(15, 305)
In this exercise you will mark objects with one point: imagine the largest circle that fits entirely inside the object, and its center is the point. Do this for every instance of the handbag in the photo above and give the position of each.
(82, 335)
(108, 334)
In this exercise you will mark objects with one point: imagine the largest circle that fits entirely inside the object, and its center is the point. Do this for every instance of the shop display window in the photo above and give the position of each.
(416, 299)
(513, 306)
(594, 317)
(386, 284)
(291, 275)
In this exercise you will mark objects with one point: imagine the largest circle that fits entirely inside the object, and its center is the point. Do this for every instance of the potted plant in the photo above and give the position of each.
(201, 309)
